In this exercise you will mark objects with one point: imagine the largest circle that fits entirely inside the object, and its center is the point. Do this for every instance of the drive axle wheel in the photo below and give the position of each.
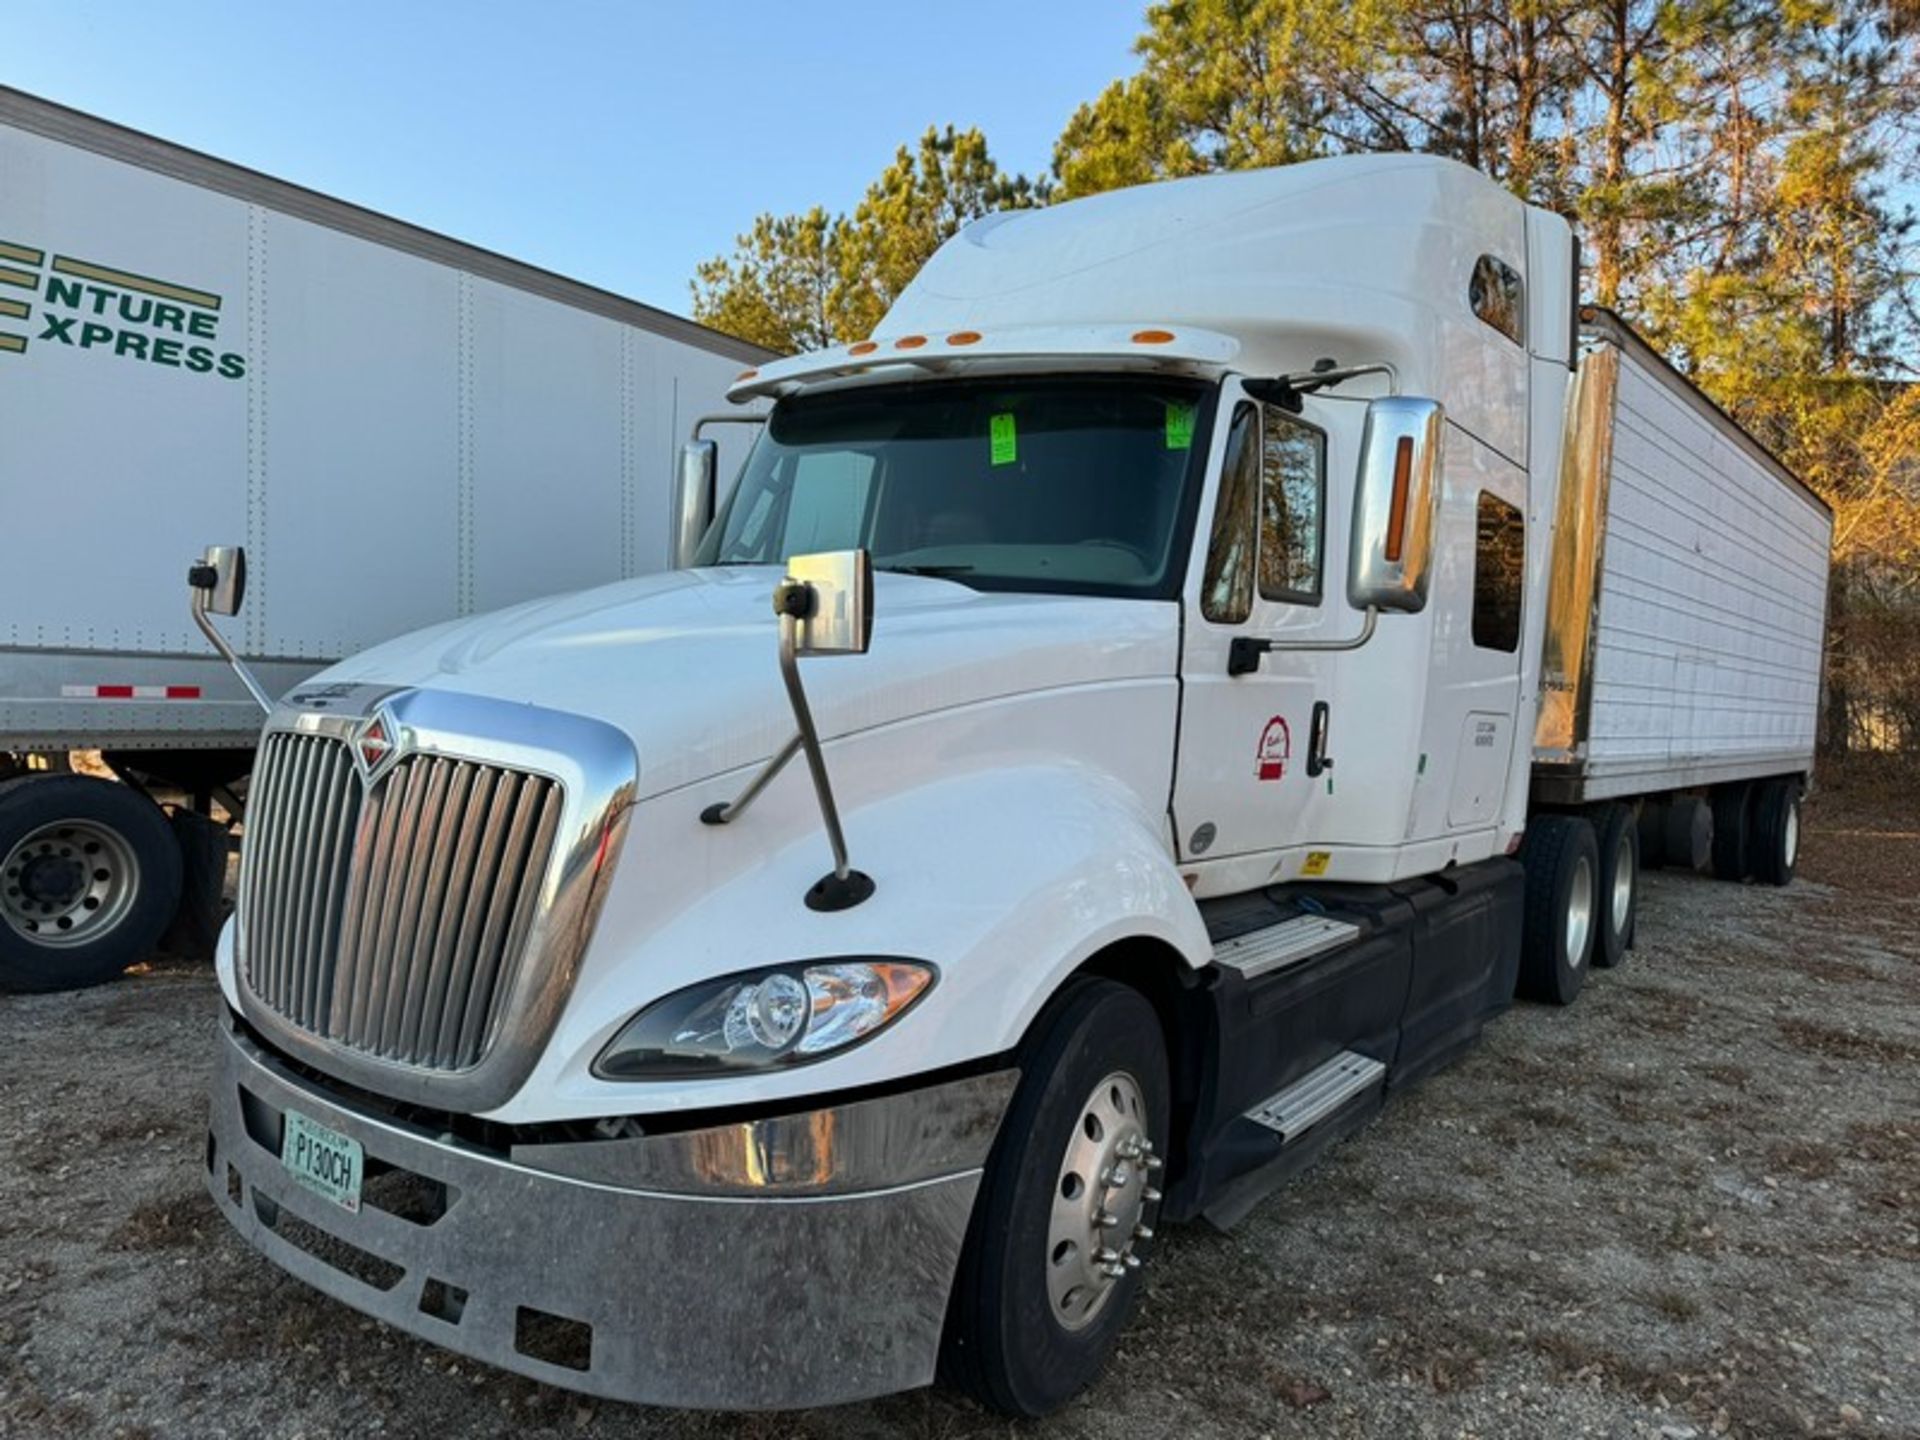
(1562, 860)
(1064, 1218)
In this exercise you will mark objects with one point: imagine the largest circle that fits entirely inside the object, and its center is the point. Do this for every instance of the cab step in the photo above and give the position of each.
(1317, 1094)
(1260, 952)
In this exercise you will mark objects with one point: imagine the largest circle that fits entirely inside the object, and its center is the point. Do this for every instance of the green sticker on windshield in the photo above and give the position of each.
(1180, 425)
(1006, 446)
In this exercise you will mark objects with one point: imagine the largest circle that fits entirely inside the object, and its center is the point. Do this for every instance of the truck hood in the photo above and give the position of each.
(686, 663)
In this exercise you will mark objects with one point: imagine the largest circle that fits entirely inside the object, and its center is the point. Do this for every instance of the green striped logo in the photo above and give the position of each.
(110, 310)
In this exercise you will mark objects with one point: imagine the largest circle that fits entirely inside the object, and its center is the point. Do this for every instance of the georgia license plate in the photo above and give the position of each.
(325, 1161)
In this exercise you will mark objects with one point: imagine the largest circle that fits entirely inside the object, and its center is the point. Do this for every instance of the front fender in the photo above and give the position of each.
(1007, 878)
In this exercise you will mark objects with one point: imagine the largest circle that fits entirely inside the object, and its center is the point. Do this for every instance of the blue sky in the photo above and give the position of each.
(616, 143)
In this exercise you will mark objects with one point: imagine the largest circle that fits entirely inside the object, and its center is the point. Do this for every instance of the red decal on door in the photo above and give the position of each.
(1276, 746)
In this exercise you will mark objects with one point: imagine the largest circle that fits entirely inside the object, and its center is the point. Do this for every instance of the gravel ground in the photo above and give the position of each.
(1690, 1205)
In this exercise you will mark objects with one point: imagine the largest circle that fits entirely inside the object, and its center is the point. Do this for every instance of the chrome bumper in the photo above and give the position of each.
(749, 1267)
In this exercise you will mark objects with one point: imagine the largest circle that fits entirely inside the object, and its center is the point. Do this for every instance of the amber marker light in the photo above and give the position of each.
(1152, 337)
(1397, 511)
(865, 347)
(745, 375)
(909, 342)
(964, 337)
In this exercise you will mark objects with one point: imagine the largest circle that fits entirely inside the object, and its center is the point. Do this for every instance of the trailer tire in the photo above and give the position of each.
(204, 846)
(89, 878)
(1688, 832)
(1732, 827)
(1005, 1341)
(1775, 842)
(1653, 834)
(1562, 861)
(1619, 901)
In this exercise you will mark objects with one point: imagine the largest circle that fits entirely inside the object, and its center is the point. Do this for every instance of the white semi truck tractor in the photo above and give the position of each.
(1236, 635)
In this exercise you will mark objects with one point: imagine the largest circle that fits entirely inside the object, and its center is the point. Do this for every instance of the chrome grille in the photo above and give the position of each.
(391, 921)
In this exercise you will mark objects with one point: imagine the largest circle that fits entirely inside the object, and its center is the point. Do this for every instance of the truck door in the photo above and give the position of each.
(1242, 785)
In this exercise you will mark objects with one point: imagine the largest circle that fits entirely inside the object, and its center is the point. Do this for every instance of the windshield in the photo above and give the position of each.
(1076, 484)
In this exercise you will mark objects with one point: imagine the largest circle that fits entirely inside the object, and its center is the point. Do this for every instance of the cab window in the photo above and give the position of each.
(1226, 596)
(1293, 468)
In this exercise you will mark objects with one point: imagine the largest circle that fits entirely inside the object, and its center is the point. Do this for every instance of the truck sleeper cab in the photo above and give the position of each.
(1182, 746)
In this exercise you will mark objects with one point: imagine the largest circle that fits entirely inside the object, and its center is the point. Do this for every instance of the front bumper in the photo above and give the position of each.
(751, 1266)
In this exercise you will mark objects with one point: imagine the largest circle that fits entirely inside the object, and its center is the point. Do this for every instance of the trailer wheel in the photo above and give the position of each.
(1619, 834)
(1775, 842)
(1562, 860)
(1688, 832)
(1653, 834)
(1732, 826)
(1064, 1216)
(89, 877)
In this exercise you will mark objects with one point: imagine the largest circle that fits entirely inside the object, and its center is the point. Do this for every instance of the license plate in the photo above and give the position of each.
(325, 1161)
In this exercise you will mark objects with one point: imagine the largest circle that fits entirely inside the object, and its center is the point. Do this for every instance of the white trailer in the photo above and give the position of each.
(402, 430)
(1686, 612)
(1259, 656)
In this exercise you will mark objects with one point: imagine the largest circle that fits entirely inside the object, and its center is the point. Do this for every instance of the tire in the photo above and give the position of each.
(89, 878)
(1687, 834)
(1562, 860)
(194, 930)
(1618, 831)
(1006, 1341)
(1653, 834)
(1774, 845)
(1732, 824)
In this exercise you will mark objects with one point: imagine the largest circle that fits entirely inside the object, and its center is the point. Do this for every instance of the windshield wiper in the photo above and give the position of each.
(933, 570)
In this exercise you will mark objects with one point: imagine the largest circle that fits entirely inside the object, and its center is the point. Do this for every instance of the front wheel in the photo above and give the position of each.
(1064, 1218)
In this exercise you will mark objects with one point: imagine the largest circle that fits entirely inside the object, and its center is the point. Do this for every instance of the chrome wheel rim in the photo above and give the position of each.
(1790, 843)
(1579, 912)
(1102, 1201)
(69, 883)
(1623, 885)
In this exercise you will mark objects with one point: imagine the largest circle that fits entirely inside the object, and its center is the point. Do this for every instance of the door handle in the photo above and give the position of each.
(1317, 757)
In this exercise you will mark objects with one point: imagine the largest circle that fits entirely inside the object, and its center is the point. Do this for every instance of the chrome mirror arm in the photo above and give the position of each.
(202, 577)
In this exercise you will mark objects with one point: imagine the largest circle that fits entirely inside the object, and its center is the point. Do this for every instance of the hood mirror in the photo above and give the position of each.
(1395, 503)
(825, 607)
(218, 580)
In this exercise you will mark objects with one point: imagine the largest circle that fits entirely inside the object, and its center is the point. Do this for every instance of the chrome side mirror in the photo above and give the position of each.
(695, 494)
(1395, 504)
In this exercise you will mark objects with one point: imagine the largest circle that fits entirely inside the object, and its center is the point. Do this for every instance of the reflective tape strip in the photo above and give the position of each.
(130, 692)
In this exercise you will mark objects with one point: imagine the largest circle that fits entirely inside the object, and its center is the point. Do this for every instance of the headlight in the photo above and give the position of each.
(785, 1016)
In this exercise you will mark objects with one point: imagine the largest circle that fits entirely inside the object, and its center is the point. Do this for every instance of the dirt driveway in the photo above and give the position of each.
(1688, 1206)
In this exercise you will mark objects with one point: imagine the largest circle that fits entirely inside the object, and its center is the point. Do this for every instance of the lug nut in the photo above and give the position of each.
(1105, 1255)
(1130, 1260)
(1152, 1162)
(1143, 1232)
(1149, 1196)
(1115, 1176)
(1105, 1220)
